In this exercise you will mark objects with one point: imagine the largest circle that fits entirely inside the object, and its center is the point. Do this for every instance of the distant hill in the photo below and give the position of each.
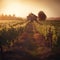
(53, 18)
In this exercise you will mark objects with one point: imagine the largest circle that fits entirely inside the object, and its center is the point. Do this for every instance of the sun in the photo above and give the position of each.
(13, 8)
(17, 8)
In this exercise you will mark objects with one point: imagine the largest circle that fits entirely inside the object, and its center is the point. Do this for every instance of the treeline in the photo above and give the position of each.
(9, 17)
(41, 16)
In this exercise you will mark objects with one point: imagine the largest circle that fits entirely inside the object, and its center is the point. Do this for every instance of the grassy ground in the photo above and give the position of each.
(41, 53)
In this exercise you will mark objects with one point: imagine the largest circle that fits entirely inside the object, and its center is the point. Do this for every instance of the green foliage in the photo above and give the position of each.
(44, 29)
(9, 32)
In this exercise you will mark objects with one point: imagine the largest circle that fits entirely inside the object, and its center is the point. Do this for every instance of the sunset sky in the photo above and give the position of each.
(22, 8)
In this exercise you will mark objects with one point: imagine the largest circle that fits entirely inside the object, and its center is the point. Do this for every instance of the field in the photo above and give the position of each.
(21, 39)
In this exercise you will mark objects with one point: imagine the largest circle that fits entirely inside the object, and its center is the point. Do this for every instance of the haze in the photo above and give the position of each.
(22, 8)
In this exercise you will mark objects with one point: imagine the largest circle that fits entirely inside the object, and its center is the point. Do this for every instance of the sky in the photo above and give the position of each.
(22, 8)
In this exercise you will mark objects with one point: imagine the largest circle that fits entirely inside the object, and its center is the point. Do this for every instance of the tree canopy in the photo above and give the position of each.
(42, 15)
(32, 17)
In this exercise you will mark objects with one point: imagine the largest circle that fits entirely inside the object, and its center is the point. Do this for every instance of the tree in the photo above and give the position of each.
(32, 17)
(42, 15)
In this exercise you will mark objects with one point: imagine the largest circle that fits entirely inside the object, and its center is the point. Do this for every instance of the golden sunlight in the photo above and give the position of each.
(14, 8)
(22, 8)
